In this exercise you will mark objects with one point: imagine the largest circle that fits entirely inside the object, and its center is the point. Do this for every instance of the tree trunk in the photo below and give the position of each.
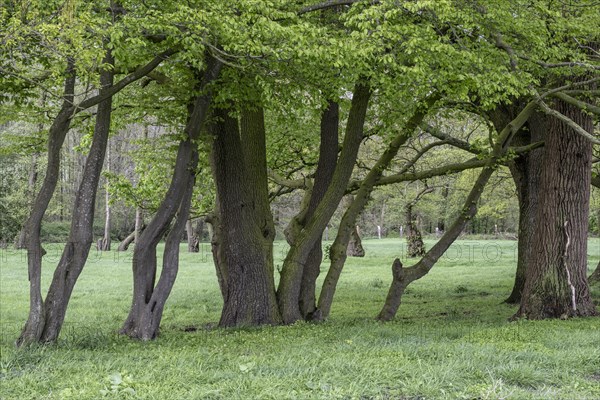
(556, 284)
(402, 277)
(105, 243)
(328, 151)
(245, 234)
(32, 331)
(355, 248)
(595, 276)
(414, 240)
(80, 238)
(148, 301)
(290, 284)
(192, 239)
(21, 242)
(139, 224)
(124, 245)
(338, 251)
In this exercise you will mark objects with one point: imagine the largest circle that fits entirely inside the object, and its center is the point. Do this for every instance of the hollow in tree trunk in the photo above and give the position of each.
(556, 284)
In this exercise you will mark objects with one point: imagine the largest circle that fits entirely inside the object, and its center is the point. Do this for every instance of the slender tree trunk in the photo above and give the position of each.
(139, 224)
(21, 242)
(124, 245)
(245, 232)
(32, 331)
(328, 151)
(290, 284)
(338, 252)
(80, 237)
(556, 284)
(192, 239)
(414, 240)
(402, 277)
(148, 301)
(105, 243)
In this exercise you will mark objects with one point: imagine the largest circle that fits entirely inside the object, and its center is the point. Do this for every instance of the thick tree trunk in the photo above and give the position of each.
(338, 252)
(402, 277)
(148, 301)
(215, 233)
(556, 284)
(245, 234)
(32, 331)
(290, 284)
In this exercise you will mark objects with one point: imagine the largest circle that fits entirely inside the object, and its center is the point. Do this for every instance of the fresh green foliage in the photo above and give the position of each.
(451, 339)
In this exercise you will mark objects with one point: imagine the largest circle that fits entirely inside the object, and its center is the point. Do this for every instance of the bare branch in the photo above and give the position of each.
(330, 4)
(578, 103)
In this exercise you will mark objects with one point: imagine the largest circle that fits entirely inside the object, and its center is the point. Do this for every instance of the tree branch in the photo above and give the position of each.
(572, 124)
(578, 103)
(330, 4)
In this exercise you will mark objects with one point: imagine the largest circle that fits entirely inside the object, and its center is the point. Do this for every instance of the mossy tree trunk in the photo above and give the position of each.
(338, 252)
(290, 284)
(556, 284)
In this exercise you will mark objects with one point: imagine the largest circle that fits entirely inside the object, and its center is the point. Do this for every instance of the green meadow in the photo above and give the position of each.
(451, 338)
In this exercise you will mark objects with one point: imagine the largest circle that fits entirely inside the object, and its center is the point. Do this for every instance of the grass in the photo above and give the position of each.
(450, 340)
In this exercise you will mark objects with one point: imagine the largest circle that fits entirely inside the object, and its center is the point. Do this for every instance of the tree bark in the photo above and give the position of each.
(245, 234)
(355, 248)
(402, 277)
(21, 242)
(338, 251)
(328, 151)
(148, 301)
(105, 243)
(556, 284)
(594, 278)
(32, 331)
(525, 172)
(124, 245)
(80, 238)
(192, 239)
(290, 284)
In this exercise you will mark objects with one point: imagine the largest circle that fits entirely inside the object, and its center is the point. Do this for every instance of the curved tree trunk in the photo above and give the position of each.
(328, 151)
(125, 243)
(147, 303)
(338, 252)
(290, 284)
(403, 277)
(556, 284)
(34, 326)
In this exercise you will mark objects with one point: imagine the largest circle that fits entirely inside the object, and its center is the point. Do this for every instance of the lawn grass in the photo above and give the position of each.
(450, 340)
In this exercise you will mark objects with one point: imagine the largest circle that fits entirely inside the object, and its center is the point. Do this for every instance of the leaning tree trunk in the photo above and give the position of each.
(328, 151)
(403, 277)
(245, 239)
(414, 240)
(556, 284)
(338, 252)
(290, 283)
(148, 300)
(32, 331)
